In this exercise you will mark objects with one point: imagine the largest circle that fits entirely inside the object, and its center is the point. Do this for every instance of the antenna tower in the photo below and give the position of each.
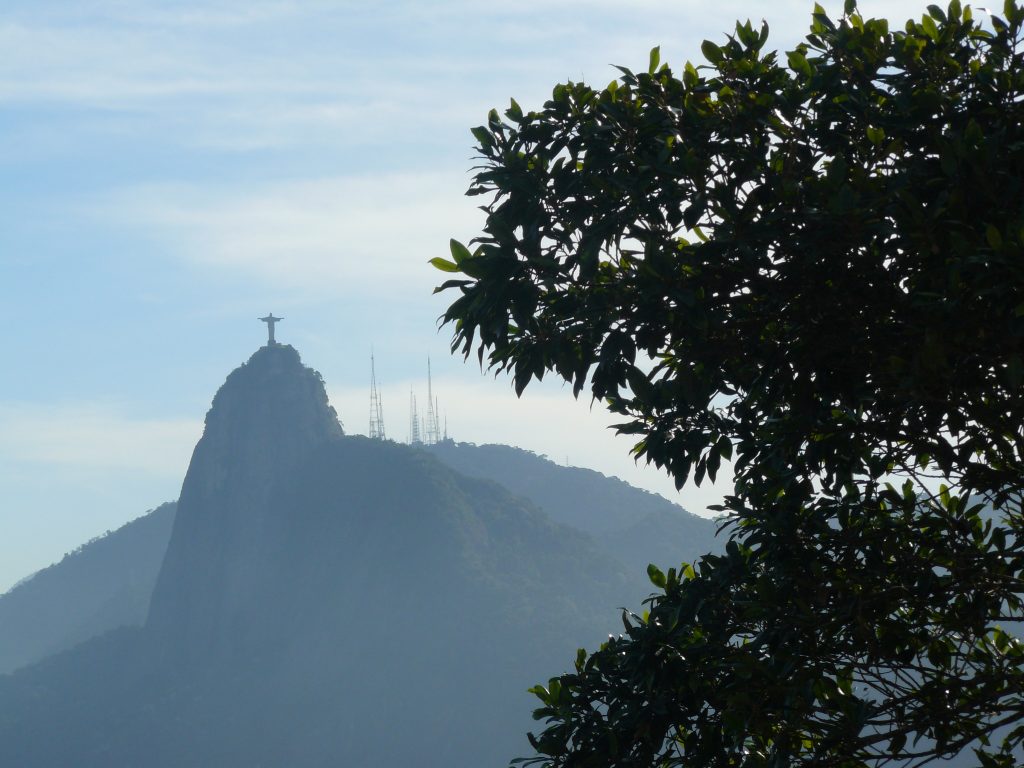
(376, 408)
(432, 427)
(414, 421)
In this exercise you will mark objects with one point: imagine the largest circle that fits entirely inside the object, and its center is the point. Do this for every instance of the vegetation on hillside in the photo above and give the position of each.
(102, 585)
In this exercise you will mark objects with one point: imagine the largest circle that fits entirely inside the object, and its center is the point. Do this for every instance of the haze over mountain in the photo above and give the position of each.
(53, 611)
(103, 585)
(323, 600)
(635, 526)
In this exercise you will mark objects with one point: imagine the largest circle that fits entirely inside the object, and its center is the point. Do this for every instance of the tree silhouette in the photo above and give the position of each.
(813, 268)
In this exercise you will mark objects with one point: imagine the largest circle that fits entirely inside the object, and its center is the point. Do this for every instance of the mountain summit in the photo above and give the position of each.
(268, 418)
(324, 600)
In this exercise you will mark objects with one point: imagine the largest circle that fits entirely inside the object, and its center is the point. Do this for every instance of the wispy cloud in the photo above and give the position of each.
(71, 471)
(95, 436)
(249, 76)
(341, 235)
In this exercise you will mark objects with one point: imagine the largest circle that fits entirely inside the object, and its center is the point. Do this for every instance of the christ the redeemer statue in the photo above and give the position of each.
(270, 320)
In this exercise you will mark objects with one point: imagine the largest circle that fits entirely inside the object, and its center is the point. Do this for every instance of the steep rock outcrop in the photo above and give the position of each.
(266, 419)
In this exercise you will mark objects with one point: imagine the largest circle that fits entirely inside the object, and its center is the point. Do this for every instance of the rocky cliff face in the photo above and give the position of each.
(265, 421)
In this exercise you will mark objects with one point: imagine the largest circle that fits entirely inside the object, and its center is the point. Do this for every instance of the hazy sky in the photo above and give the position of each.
(174, 170)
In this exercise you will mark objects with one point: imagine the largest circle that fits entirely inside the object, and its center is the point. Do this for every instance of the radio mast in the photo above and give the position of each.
(376, 407)
(432, 427)
(414, 421)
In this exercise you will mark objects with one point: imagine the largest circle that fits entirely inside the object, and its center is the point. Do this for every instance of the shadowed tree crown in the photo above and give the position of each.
(809, 264)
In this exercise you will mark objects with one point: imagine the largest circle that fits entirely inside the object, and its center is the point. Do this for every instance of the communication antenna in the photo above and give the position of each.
(414, 421)
(431, 427)
(376, 406)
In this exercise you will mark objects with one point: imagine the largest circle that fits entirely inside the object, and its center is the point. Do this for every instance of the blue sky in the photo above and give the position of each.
(174, 170)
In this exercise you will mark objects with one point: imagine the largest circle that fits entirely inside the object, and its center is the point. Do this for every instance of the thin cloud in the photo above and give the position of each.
(95, 436)
(241, 77)
(343, 234)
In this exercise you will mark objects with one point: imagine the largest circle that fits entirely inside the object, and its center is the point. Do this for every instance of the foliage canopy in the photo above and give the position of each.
(813, 268)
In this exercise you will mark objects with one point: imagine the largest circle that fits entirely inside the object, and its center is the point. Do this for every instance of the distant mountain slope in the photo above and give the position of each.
(579, 497)
(636, 526)
(104, 584)
(108, 582)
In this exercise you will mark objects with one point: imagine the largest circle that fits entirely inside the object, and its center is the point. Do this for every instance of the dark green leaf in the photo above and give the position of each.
(712, 52)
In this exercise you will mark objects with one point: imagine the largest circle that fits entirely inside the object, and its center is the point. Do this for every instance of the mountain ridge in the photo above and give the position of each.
(104, 584)
(637, 526)
(653, 530)
(324, 600)
(269, 414)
